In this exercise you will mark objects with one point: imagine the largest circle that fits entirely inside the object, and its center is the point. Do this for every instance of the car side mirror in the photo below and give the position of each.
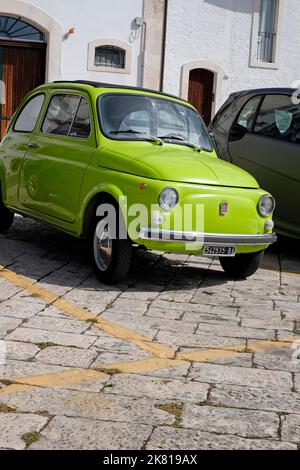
(212, 136)
(237, 132)
(214, 141)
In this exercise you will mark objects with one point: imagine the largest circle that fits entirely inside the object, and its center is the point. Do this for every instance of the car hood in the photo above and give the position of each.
(174, 163)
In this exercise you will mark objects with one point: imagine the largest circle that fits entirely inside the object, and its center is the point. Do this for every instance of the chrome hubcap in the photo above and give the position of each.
(102, 247)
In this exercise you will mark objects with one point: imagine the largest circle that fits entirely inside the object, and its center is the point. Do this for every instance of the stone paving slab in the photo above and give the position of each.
(65, 433)
(245, 423)
(220, 374)
(157, 388)
(63, 356)
(105, 358)
(276, 361)
(238, 360)
(89, 405)
(33, 335)
(8, 324)
(56, 324)
(20, 351)
(256, 398)
(291, 428)
(186, 439)
(14, 368)
(19, 309)
(14, 426)
(198, 340)
(233, 331)
(151, 324)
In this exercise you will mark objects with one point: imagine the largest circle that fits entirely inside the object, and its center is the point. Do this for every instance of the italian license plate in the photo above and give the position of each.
(215, 250)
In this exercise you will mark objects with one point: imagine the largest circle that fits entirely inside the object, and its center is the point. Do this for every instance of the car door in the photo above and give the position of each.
(61, 150)
(269, 149)
(14, 146)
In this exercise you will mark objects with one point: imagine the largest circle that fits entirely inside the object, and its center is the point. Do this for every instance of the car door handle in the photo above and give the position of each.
(32, 145)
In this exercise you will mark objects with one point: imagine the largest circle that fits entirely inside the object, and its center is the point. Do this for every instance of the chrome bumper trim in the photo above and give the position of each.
(153, 234)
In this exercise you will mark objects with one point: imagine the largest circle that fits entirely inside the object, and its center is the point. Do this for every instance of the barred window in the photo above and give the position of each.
(267, 31)
(110, 56)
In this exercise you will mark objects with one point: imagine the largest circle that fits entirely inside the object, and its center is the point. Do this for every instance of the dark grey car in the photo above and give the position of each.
(259, 131)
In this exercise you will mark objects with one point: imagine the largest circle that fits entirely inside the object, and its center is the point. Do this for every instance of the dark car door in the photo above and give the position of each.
(265, 141)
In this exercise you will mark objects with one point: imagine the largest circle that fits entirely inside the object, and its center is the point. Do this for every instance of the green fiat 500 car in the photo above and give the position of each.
(123, 166)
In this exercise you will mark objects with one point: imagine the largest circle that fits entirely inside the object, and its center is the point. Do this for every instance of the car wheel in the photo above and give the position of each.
(242, 266)
(112, 256)
(6, 218)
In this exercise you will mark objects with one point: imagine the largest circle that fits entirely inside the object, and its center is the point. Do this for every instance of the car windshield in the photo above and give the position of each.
(143, 117)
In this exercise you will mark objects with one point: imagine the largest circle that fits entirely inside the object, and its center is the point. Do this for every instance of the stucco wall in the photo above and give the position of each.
(219, 32)
(95, 19)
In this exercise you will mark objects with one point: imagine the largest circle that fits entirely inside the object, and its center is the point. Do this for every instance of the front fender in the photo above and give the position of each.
(103, 188)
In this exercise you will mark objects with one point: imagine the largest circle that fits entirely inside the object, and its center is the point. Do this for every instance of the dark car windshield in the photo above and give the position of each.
(142, 117)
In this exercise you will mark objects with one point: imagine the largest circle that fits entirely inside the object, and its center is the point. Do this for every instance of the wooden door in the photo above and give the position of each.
(201, 86)
(22, 68)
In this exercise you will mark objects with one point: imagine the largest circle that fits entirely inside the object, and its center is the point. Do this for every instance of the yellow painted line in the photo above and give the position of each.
(142, 365)
(76, 376)
(15, 388)
(105, 325)
(52, 380)
(266, 346)
(207, 355)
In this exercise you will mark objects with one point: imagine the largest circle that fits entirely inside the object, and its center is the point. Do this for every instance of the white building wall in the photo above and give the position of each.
(95, 19)
(219, 32)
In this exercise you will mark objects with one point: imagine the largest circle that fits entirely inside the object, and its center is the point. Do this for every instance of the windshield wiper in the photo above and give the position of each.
(195, 147)
(172, 137)
(150, 138)
(180, 141)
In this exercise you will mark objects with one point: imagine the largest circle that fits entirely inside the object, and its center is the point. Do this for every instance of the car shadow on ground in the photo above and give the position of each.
(287, 247)
(38, 243)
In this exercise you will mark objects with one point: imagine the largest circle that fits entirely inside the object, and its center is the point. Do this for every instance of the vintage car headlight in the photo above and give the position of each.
(266, 205)
(168, 199)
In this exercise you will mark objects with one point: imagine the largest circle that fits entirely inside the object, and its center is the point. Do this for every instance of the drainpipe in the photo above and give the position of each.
(163, 58)
(143, 51)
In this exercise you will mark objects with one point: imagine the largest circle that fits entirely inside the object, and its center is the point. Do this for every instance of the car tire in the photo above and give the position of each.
(111, 256)
(242, 266)
(6, 217)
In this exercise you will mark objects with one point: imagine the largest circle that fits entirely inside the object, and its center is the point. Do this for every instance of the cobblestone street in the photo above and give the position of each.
(178, 357)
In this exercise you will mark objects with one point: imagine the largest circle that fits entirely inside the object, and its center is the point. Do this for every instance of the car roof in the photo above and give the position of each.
(97, 85)
(262, 91)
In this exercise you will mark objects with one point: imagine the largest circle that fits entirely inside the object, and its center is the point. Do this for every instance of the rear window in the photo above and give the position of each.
(27, 119)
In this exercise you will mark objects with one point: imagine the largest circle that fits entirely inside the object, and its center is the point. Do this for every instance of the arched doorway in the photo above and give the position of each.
(201, 92)
(218, 76)
(22, 63)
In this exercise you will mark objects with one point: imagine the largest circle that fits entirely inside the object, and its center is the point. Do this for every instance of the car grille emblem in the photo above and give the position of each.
(224, 208)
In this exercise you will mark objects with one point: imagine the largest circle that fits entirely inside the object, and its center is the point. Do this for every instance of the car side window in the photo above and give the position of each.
(279, 117)
(67, 115)
(29, 115)
(248, 113)
(81, 126)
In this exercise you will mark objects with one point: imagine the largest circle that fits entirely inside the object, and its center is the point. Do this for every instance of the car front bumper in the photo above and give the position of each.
(157, 235)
